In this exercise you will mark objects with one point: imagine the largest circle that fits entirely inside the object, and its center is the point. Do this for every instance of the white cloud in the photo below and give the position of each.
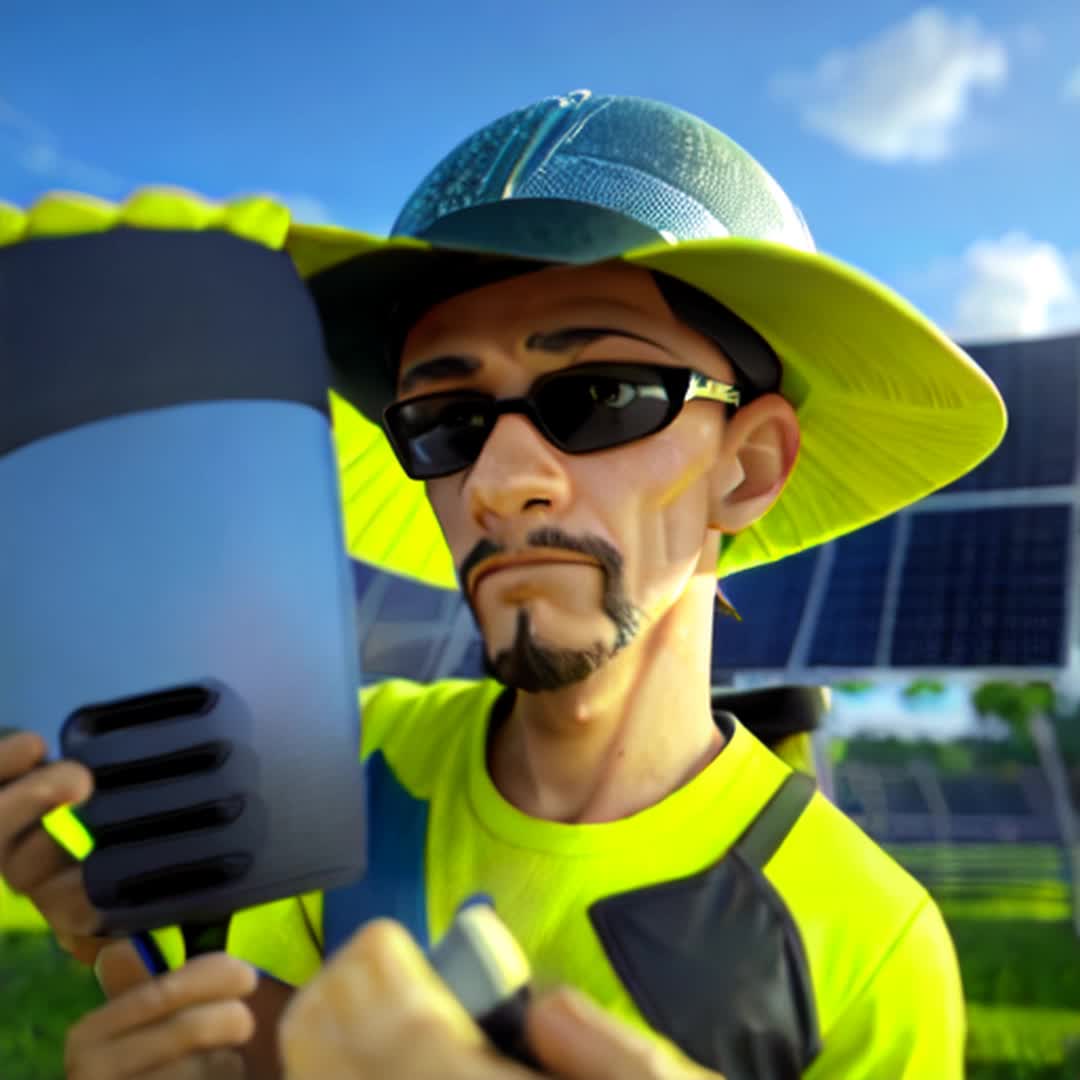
(37, 150)
(903, 94)
(1015, 287)
(1070, 91)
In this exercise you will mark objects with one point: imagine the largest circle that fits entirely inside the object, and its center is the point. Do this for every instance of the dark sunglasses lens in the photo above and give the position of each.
(595, 409)
(441, 434)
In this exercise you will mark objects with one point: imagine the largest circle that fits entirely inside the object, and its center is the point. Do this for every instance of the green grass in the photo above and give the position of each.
(43, 991)
(1008, 909)
(1032, 964)
(1040, 1039)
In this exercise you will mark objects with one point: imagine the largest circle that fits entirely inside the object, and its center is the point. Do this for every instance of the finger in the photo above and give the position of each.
(577, 1040)
(33, 858)
(119, 968)
(383, 963)
(65, 780)
(411, 1021)
(19, 753)
(83, 949)
(208, 979)
(216, 1065)
(64, 903)
(192, 1031)
(26, 799)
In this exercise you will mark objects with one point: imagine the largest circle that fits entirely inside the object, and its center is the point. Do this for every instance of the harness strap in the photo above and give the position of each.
(766, 832)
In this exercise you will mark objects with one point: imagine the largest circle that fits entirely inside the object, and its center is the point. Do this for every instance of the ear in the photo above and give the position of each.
(760, 445)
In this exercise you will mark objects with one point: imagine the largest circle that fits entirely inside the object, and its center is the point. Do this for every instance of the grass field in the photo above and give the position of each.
(42, 990)
(1007, 908)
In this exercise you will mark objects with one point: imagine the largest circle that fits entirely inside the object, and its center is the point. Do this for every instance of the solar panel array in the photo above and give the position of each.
(849, 633)
(979, 806)
(984, 587)
(979, 576)
(1040, 382)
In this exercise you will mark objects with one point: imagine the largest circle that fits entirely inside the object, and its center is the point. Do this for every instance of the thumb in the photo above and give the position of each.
(84, 949)
(577, 1040)
(119, 967)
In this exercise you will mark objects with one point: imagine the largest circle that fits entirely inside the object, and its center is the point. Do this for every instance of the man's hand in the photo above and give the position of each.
(181, 1026)
(31, 862)
(379, 1010)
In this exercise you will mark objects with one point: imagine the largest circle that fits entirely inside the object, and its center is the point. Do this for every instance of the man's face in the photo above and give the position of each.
(565, 558)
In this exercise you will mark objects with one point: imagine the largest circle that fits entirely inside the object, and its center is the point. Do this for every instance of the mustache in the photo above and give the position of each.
(611, 562)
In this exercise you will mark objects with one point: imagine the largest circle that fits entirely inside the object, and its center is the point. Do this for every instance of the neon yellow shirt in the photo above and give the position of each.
(881, 966)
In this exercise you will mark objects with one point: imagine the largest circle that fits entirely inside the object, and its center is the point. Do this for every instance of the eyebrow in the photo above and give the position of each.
(439, 367)
(556, 341)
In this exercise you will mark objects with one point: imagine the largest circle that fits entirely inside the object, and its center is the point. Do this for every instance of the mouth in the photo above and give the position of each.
(510, 562)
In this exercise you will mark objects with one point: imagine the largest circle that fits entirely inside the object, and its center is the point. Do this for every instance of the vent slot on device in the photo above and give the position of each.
(145, 709)
(205, 757)
(209, 815)
(179, 880)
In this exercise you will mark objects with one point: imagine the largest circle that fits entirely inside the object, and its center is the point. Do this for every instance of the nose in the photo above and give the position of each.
(517, 471)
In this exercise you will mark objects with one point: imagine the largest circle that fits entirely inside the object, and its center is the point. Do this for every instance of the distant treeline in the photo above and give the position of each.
(1003, 756)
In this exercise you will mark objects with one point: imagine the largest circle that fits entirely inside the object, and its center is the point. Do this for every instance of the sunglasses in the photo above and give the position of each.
(578, 410)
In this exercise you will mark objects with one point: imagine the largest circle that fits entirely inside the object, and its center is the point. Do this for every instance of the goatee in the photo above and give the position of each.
(532, 667)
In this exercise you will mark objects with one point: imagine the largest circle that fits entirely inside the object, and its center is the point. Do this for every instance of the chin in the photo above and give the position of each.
(533, 666)
(550, 624)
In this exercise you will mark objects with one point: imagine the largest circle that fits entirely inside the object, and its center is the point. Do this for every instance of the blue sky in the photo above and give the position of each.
(936, 147)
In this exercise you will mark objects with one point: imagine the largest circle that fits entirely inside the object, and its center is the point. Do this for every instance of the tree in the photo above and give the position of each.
(921, 689)
(1026, 709)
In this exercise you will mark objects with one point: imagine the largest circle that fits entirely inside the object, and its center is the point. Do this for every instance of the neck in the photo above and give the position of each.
(624, 739)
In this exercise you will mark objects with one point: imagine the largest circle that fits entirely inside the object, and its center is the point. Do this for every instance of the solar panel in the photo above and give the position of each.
(903, 796)
(402, 625)
(984, 795)
(471, 665)
(845, 795)
(984, 588)
(1039, 382)
(406, 601)
(850, 621)
(391, 655)
(770, 600)
(363, 577)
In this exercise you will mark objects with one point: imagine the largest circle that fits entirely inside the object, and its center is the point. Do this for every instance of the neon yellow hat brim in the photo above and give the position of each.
(890, 409)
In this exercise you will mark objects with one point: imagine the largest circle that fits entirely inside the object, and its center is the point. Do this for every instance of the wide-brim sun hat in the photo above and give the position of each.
(890, 409)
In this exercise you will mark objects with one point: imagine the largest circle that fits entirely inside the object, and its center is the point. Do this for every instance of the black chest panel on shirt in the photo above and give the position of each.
(715, 961)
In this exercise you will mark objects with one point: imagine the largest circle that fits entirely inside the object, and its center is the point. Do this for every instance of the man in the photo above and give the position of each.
(618, 367)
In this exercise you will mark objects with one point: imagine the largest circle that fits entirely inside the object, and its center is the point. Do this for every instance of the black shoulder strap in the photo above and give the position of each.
(715, 961)
(766, 832)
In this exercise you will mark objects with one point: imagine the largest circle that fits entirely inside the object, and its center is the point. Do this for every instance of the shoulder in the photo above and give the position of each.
(414, 726)
(908, 1019)
(875, 941)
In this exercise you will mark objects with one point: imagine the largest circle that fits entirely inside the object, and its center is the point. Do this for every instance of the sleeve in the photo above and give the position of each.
(908, 1021)
(280, 939)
